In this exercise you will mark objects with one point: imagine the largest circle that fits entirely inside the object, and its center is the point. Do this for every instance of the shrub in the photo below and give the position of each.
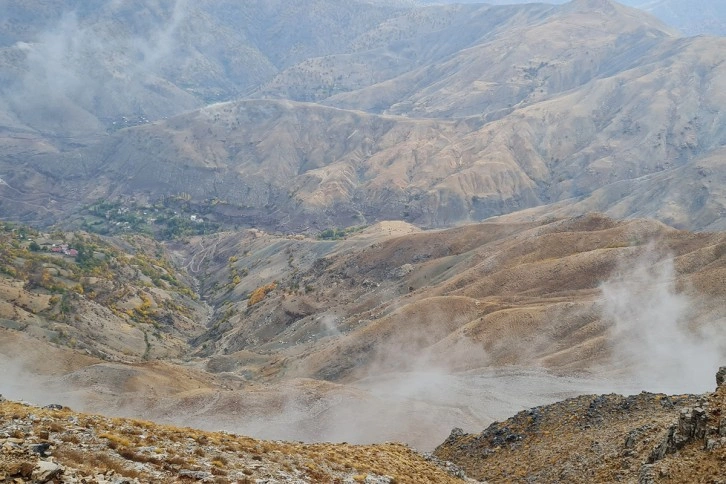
(260, 293)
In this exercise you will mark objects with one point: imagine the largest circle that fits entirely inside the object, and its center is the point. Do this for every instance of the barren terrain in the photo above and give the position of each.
(391, 333)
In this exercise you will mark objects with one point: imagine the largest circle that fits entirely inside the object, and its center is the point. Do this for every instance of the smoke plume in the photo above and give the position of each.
(655, 341)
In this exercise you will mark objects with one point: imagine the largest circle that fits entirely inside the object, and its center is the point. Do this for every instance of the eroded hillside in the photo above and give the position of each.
(384, 332)
(434, 115)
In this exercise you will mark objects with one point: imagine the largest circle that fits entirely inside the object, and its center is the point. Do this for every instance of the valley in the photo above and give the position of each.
(315, 221)
(390, 333)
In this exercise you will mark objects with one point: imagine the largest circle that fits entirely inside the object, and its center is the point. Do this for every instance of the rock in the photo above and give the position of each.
(712, 444)
(667, 446)
(54, 406)
(40, 449)
(692, 425)
(646, 474)
(45, 471)
(374, 479)
(198, 475)
(721, 376)
(22, 469)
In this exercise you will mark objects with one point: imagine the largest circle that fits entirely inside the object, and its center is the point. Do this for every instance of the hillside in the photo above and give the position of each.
(75, 70)
(382, 333)
(605, 438)
(315, 221)
(692, 17)
(43, 444)
(475, 126)
(468, 115)
(112, 299)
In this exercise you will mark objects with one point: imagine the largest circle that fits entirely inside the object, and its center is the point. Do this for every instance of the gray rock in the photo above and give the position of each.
(374, 479)
(198, 475)
(40, 449)
(692, 425)
(646, 474)
(721, 376)
(45, 471)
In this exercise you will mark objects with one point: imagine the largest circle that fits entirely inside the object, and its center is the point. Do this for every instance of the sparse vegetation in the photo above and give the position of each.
(259, 294)
(170, 218)
(337, 233)
(67, 271)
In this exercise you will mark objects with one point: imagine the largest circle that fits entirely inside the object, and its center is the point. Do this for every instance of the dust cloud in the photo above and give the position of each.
(80, 76)
(655, 343)
(413, 390)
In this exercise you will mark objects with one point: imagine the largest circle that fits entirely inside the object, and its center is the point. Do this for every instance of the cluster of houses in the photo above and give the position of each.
(64, 249)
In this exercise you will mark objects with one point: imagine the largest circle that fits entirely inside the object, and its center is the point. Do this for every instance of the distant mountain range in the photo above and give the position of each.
(341, 114)
(692, 17)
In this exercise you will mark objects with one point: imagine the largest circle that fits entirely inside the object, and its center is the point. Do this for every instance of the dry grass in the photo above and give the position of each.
(94, 462)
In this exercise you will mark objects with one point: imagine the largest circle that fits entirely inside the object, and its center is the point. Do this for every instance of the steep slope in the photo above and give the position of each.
(544, 124)
(121, 301)
(73, 70)
(531, 59)
(293, 165)
(607, 142)
(418, 38)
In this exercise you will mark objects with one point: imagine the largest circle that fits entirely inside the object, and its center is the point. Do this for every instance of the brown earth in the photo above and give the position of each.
(644, 438)
(391, 333)
(62, 446)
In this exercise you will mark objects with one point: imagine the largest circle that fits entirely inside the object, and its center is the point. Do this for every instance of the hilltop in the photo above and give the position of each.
(643, 438)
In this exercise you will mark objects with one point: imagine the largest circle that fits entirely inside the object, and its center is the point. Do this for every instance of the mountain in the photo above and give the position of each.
(74, 70)
(468, 114)
(489, 60)
(609, 145)
(692, 17)
(378, 334)
(358, 221)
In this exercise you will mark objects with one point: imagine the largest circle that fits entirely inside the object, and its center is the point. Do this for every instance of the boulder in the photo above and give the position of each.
(721, 376)
(45, 471)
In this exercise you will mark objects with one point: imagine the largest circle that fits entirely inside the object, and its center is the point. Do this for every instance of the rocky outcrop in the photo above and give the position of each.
(702, 425)
(691, 426)
(646, 438)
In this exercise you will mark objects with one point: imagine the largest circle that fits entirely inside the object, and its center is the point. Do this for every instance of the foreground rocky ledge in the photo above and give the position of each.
(55, 444)
(644, 438)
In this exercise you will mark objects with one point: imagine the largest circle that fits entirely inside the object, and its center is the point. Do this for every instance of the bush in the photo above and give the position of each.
(260, 293)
